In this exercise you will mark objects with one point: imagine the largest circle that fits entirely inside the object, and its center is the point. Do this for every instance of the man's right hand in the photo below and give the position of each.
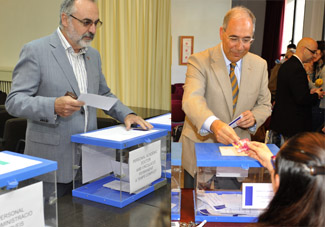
(65, 106)
(223, 132)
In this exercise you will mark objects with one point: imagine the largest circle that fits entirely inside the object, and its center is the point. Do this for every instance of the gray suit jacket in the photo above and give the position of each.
(207, 92)
(42, 74)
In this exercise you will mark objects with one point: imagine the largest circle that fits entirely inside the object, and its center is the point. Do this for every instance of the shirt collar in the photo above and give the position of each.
(299, 59)
(67, 46)
(238, 63)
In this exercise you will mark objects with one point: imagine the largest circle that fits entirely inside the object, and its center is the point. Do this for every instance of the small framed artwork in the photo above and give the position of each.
(186, 48)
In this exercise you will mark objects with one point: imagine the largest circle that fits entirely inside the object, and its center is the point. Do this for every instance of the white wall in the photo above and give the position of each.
(314, 19)
(258, 8)
(22, 21)
(199, 18)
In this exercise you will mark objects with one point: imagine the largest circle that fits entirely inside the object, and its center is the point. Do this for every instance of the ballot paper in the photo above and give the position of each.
(233, 124)
(211, 203)
(122, 185)
(230, 151)
(97, 101)
(96, 162)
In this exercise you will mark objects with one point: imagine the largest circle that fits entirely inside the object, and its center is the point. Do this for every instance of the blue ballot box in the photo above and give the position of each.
(164, 121)
(225, 180)
(176, 171)
(27, 190)
(116, 167)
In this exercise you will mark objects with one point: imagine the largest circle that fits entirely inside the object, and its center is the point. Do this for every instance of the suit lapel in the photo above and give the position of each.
(63, 61)
(221, 73)
(89, 68)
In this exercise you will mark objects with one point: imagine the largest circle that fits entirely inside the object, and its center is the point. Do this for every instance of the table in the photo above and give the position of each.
(187, 211)
(76, 212)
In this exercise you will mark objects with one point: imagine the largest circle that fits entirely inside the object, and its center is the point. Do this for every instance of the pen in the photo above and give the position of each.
(202, 223)
(139, 129)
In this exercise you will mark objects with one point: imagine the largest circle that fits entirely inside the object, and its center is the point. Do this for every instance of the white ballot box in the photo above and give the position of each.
(27, 191)
(176, 171)
(230, 186)
(116, 167)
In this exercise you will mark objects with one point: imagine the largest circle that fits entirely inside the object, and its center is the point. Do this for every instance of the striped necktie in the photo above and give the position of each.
(234, 85)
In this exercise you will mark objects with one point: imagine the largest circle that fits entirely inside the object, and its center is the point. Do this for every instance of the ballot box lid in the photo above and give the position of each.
(19, 167)
(117, 137)
(209, 155)
(163, 121)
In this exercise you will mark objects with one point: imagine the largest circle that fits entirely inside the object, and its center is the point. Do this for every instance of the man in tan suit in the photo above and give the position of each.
(208, 92)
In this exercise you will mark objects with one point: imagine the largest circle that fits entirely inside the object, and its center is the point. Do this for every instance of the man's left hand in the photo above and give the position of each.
(134, 119)
(247, 121)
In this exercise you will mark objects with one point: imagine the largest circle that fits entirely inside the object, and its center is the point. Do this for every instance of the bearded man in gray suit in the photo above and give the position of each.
(47, 69)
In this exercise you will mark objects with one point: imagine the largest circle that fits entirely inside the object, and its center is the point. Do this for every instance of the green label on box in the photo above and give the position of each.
(3, 163)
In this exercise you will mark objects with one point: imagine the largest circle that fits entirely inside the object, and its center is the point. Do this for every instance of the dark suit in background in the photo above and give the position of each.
(293, 102)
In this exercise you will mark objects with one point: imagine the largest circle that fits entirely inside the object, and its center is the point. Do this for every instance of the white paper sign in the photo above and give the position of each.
(257, 195)
(97, 101)
(23, 207)
(96, 162)
(144, 165)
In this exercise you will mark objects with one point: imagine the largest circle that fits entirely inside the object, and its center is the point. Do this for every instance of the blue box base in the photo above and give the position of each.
(235, 219)
(96, 192)
(176, 210)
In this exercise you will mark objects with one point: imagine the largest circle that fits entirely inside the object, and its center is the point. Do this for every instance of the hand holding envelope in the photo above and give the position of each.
(66, 105)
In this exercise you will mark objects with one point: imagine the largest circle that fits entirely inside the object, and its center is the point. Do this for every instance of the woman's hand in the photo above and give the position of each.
(261, 153)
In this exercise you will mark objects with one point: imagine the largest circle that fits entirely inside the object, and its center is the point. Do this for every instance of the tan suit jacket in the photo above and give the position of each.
(207, 92)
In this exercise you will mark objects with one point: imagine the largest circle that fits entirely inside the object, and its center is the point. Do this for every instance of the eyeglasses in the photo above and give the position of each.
(245, 40)
(87, 22)
(312, 51)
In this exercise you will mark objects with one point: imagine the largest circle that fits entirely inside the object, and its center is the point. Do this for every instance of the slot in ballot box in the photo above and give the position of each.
(176, 171)
(27, 190)
(225, 180)
(165, 122)
(116, 167)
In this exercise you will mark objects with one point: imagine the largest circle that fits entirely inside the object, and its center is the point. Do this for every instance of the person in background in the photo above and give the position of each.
(275, 70)
(316, 74)
(222, 83)
(298, 178)
(292, 111)
(47, 69)
(316, 65)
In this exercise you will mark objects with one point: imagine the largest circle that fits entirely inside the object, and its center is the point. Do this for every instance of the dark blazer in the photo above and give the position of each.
(42, 74)
(293, 101)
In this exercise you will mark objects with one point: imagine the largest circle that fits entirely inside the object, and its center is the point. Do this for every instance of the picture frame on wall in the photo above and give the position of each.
(186, 48)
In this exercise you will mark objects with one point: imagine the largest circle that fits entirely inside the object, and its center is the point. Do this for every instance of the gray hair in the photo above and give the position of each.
(67, 7)
(238, 12)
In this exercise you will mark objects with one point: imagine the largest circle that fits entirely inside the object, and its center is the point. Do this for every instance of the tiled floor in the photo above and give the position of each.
(75, 212)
